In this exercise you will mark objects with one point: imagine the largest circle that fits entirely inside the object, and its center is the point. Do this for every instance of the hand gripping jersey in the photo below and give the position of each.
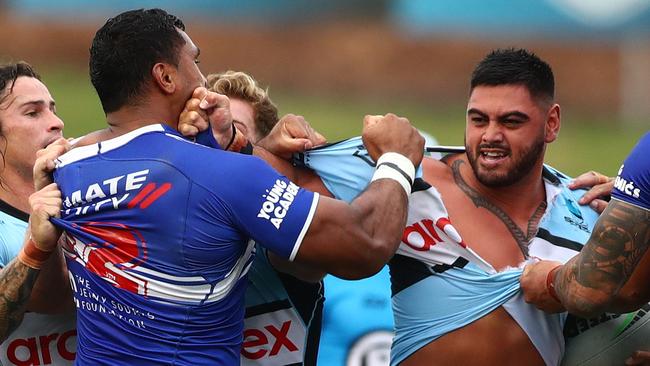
(282, 324)
(433, 258)
(159, 236)
(632, 185)
(41, 339)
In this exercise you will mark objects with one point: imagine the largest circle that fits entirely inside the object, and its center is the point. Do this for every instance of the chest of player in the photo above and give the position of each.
(488, 231)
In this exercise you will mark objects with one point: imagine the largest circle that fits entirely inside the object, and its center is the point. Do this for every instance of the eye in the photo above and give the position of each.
(32, 113)
(512, 122)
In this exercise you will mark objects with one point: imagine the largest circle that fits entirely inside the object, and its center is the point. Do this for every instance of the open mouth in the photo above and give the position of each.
(492, 157)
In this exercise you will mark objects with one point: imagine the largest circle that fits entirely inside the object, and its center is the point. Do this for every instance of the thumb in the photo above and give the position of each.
(212, 99)
(298, 145)
(200, 93)
(319, 139)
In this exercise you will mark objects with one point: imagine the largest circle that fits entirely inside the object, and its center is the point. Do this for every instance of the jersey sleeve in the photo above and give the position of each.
(632, 185)
(271, 209)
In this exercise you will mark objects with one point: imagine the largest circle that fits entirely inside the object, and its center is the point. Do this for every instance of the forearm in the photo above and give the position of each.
(16, 284)
(589, 282)
(385, 223)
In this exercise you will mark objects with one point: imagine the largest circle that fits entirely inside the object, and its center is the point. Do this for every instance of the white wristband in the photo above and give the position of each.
(396, 167)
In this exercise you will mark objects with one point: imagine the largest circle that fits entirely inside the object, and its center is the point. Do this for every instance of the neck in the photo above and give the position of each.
(130, 118)
(16, 189)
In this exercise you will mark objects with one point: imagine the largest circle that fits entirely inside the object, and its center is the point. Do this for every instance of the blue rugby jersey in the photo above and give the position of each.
(632, 185)
(159, 242)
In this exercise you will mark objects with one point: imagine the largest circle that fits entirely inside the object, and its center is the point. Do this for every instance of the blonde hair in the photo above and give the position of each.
(237, 84)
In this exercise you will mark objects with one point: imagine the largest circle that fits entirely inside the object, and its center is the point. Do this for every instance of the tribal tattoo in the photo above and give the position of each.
(619, 240)
(16, 283)
(522, 239)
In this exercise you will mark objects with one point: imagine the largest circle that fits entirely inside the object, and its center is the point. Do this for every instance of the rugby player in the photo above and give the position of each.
(506, 207)
(28, 122)
(46, 332)
(156, 227)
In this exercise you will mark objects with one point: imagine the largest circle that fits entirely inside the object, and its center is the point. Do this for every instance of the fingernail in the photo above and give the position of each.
(582, 201)
(204, 103)
(593, 204)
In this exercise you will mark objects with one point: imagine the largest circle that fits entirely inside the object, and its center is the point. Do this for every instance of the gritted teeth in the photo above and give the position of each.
(493, 154)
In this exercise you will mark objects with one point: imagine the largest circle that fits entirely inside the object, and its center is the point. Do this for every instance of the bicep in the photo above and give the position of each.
(268, 207)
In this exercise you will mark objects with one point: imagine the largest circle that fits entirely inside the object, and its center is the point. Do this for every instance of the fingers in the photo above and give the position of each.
(391, 133)
(46, 202)
(211, 100)
(291, 134)
(639, 358)
(200, 93)
(589, 179)
(533, 283)
(298, 128)
(193, 119)
(371, 120)
(203, 110)
(45, 162)
(598, 205)
(597, 191)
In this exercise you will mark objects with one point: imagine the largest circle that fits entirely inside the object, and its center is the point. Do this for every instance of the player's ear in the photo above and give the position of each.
(552, 123)
(164, 76)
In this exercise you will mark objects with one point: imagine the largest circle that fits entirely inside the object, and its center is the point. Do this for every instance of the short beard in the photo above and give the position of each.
(521, 168)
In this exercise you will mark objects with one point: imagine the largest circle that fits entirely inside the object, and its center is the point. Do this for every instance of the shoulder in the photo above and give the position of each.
(435, 170)
(632, 183)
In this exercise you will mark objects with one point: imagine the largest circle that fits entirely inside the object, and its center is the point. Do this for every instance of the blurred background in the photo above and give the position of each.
(334, 61)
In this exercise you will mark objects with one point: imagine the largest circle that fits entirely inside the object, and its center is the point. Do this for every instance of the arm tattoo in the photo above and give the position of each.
(619, 241)
(16, 283)
(522, 239)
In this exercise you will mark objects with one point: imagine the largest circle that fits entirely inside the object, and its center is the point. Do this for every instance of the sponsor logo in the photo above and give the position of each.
(371, 349)
(422, 235)
(118, 248)
(625, 186)
(110, 193)
(277, 202)
(577, 223)
(43, 350)
(278, 338)
(273, 338)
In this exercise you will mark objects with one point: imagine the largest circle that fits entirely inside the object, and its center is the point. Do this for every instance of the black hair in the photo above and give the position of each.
(124, 51)
(517, 67)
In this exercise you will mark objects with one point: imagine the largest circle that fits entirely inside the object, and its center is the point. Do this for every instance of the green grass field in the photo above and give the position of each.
(583, 144)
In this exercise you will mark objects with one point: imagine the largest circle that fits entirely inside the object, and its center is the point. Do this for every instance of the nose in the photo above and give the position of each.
(55, 124)
(492, 132)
